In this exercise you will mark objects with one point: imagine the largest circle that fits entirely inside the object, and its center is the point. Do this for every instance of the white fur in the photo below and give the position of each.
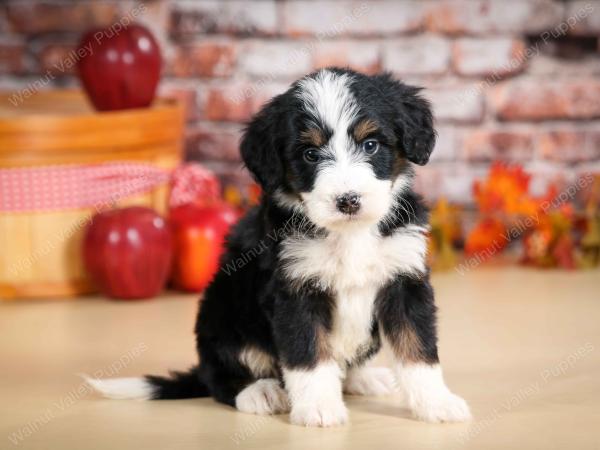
(427, 395)
(316, 395)
(346, 261)
(352, 321)
(263, 397)
(121, 388)
(370, 381)
(327, 97)
(260, 363)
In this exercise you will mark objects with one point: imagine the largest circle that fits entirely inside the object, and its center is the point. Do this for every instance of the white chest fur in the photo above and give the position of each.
(354, 266)
(352, 322)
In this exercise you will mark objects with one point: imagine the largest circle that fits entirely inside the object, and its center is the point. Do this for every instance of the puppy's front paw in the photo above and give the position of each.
(370, 381)
(263, 397)
(446, 407)
(321, 414)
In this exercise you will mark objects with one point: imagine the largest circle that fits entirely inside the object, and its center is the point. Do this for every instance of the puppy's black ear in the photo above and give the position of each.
(413, 119)
(261, 146)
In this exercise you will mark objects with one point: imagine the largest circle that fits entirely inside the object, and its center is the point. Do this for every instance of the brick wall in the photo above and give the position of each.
(517, 80)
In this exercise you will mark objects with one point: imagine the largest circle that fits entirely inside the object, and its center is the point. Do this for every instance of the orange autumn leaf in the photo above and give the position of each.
(487, 238)
(505, 189)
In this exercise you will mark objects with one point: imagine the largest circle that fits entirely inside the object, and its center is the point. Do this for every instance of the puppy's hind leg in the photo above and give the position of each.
(244, 378)
(222, 371)
(263, 397)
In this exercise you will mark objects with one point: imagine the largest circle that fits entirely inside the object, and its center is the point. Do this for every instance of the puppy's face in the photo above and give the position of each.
(337, 146)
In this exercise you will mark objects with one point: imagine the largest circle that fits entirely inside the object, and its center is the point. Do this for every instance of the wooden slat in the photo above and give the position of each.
(48, 130)
(18, 253)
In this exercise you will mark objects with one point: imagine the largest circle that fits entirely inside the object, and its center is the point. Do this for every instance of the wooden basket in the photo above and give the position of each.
(40, 252)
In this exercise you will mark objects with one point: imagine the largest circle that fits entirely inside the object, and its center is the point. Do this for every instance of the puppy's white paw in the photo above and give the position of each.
(370, 381)
(263, 397)
(446, 407)
(322, 414)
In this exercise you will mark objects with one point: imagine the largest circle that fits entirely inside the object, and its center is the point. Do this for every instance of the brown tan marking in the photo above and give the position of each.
(364, 128)
(407, 346)
(313, 136)
(259, 363)
(400, 164)
(323, 347)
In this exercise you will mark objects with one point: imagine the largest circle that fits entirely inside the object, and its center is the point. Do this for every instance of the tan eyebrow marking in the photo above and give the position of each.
(313, 136)
(364, 128)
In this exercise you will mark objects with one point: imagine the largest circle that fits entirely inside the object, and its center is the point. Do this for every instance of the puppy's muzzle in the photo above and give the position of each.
(348, 203)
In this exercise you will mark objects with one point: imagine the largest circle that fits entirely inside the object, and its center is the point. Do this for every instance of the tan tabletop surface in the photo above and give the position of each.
(522, 346)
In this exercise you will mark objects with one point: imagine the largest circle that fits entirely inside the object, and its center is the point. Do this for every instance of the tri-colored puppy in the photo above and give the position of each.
(331, 262)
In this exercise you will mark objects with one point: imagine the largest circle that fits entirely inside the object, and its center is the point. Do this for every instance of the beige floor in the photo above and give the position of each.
(521, 346)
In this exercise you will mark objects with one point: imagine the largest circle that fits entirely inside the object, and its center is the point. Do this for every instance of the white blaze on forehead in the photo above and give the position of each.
(328, 98)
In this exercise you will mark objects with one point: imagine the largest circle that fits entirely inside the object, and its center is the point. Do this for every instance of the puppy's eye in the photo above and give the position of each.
(370, 146)
(311, 155)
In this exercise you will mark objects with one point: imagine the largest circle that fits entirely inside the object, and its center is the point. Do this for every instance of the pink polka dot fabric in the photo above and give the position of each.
(63, 187)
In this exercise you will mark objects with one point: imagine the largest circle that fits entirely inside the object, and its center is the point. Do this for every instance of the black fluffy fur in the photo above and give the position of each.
(252, 303)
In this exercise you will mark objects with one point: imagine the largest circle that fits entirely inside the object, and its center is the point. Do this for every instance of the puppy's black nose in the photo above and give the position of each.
(348, 203)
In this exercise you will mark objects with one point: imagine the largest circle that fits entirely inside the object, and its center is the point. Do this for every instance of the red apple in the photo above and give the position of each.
(199, 235)
(119, 67)
(128, 252)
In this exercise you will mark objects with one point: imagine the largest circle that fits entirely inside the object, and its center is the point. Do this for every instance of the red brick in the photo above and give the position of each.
(231, 103)
(428, 181)
(423, 55)
(446, 144)
(549, 66)
(216, 16)
(448, 180)
(236, 102)
(207, 59)
(44, 16)
(263, 92)
(12, 59)
(502, 144)
(457, 104)
(595, 141)
(279, 59)
(488, 56)
(187, 96)
(155, 15)
(331, 18)
(569, 146)
(545, 176)
(583, 17)
(213, 142)
(547, 99)
(493, 16)
(59, 59)
(358, 55)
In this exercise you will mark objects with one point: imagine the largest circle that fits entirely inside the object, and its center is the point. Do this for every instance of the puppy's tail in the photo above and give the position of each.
(177, 385)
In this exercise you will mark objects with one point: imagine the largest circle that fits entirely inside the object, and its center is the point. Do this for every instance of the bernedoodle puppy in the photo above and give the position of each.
(329, 264)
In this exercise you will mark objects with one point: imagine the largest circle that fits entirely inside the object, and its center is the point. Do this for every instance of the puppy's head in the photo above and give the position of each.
(338, 145)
